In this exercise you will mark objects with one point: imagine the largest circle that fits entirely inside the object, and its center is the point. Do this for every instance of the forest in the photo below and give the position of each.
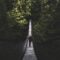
(14, 24)
(15, 16)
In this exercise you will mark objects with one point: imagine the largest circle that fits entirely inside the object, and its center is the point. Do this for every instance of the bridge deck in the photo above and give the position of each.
(30, 55)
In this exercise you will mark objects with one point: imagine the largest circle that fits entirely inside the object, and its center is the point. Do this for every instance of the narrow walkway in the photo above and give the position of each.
(29, 55)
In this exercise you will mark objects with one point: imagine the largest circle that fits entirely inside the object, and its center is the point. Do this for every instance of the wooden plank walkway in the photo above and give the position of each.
(30, 55)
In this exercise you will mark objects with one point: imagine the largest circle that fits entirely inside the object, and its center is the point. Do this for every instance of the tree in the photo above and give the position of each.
(13, 19)
(43, 27)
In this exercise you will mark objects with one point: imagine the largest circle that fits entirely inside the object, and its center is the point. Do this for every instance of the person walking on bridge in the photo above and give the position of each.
(30, 40)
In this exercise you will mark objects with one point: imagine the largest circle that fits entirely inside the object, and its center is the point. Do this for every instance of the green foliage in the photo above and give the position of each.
(35, 9)
(44, 14)
(14, 25)
(16, 15)
(45, 29)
